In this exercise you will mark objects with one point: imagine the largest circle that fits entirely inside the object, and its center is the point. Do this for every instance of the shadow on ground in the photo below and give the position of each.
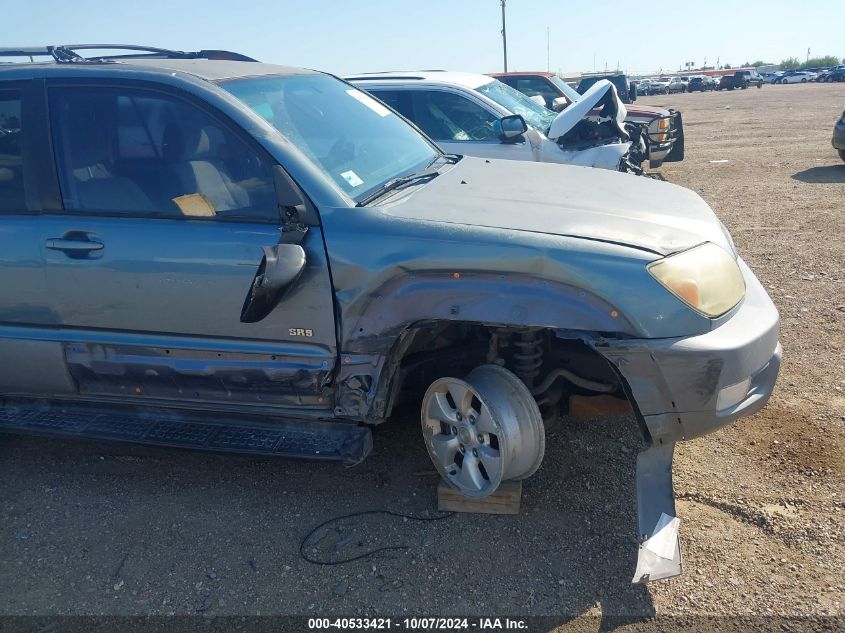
(91, 528)
(822, 174)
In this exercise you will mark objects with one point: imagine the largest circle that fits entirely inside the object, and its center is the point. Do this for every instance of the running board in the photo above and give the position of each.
(281, 437)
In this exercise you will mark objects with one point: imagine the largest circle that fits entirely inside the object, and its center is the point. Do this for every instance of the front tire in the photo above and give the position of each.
(842, 154)
(483, 430)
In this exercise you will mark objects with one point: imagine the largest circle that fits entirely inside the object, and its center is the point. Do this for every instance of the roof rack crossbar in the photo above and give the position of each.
(68, 53)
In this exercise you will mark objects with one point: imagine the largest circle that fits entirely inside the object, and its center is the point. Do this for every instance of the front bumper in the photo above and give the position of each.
(661, 140)
(683, 388)
(677, 153)
(676, 383)
(838, 140)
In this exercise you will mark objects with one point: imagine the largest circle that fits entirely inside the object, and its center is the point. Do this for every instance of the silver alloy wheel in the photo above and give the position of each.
(483, 430)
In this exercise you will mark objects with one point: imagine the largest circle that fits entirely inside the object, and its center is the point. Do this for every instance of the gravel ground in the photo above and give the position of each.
(92, 528)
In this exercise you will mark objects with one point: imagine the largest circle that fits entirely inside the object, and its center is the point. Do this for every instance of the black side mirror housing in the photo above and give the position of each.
(513, 127)
(280, 267)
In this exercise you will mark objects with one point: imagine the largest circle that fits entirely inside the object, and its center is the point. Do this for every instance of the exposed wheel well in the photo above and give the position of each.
(552, 366)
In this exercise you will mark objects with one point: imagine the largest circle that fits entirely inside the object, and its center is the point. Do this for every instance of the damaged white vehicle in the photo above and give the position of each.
(476, 115)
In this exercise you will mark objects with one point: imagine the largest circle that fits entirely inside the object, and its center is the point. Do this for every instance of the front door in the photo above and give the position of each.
(166, 211)
(459, 124)
(29, 362)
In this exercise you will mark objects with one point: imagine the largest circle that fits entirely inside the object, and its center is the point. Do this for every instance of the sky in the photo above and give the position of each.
(372, 35)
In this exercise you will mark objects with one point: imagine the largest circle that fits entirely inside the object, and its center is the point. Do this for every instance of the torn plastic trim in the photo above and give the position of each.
(659, 553)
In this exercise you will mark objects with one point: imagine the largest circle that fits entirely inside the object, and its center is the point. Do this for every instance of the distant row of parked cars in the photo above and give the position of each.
(828, 75)
(740, 79)
(700, 83)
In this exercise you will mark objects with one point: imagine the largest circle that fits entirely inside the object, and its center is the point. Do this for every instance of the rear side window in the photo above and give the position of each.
(12, 197)
(139, 152)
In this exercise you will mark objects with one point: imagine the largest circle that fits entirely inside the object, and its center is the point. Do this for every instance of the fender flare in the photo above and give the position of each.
(373, 323)
(378, 328)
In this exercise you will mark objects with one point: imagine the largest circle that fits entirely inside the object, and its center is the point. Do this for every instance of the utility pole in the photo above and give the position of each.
(808, 54)
(548, 57)
(504, 37)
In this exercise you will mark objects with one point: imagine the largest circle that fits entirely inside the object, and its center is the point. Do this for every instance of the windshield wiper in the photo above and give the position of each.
(395, 183)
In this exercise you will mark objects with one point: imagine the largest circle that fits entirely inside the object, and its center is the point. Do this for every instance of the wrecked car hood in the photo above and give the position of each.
(645, 111)
(565, 200)
(601, 90)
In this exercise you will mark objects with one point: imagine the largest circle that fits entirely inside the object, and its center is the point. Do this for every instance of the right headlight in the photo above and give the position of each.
(705, 277)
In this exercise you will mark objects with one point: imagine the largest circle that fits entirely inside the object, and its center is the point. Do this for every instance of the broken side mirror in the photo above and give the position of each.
(513, 127)
(282, 263)
(280, 267)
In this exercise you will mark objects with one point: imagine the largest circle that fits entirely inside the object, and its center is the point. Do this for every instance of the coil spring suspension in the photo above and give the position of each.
(529, 357)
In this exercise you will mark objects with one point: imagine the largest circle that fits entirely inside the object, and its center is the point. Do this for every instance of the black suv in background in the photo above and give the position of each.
(626, 90)
(701, 83)
(744, 78)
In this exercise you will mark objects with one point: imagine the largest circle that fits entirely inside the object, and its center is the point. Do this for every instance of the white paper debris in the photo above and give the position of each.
(723, 160)
(352, 178)
(664, 539)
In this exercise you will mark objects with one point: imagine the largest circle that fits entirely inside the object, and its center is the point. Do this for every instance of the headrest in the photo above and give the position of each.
(183, 141)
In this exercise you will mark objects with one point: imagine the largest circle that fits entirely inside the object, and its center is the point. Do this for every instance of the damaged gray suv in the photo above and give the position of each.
(199, 250)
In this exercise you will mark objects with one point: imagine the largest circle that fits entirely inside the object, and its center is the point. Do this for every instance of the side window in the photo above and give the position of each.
(535, 86)
(12, 196)
(127, 151)
(446, 116)
(399, 100)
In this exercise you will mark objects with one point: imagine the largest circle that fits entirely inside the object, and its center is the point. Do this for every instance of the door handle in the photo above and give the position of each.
(74, 245)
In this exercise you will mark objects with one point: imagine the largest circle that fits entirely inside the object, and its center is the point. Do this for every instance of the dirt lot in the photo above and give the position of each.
(111, 529)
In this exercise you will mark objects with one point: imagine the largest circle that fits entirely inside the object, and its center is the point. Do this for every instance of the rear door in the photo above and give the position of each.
(166, 211)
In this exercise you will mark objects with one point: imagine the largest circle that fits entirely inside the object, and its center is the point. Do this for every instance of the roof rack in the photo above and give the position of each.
(68, 53)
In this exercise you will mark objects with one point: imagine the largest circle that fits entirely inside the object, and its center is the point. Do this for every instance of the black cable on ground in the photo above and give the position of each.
(410, 517)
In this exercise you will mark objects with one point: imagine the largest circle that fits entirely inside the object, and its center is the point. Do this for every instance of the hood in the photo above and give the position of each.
(565, 200)
(646, 112)
(601, 92)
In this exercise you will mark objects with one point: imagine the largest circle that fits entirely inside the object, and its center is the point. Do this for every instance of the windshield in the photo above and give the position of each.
(514, 101)
(355, 140)
(566, 89)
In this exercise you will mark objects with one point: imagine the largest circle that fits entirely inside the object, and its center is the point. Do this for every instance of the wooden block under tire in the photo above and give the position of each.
(504, 501)
(587, 407)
